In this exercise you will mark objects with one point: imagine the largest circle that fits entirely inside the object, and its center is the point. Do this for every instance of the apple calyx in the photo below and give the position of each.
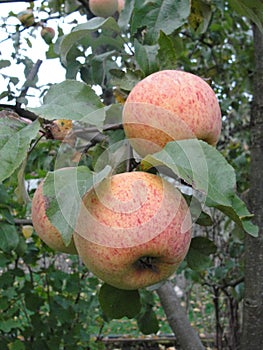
(147, 263)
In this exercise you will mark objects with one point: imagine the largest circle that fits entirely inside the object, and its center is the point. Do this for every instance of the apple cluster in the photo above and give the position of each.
(134, 229)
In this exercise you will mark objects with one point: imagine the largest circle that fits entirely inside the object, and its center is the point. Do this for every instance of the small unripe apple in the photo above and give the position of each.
(170, 105)
(26, 18)
(103, 8)
(48, 34)
(133, 230)
(43, 227)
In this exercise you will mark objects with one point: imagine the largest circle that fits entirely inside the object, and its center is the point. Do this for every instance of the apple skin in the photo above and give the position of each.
(103, 8)
(26, 18)
(48, 34)
(133, 230)
(170, 105)
(43, 227)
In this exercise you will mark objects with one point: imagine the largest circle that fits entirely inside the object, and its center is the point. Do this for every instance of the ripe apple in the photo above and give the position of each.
(43, 227)
(170, 105)
(48, 34)
(133, 230)
(103, 8)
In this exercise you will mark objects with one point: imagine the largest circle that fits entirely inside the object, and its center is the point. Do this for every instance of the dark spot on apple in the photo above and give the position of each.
(147, 263)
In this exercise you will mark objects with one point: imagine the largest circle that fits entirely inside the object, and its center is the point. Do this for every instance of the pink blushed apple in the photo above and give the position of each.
(103, 8)
(48, 34)
(133, 230)
(170, 105)
(43, 227)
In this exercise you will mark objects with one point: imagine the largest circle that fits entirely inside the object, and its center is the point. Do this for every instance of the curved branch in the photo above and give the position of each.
(20, 111)
(177, 318)
(30, 77)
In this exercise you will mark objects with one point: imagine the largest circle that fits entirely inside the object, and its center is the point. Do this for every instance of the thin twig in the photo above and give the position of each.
(84, 132)
(30, 77)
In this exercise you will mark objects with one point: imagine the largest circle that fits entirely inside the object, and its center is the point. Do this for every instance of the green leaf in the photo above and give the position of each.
(72, 100)
(3, 261)
(33, 301)
(204, 219)
(64, 189)
(125, 80)
(7, 215)
(117, 303)
(9, 238)
(198, 255)
(148, 322)
(15, 139)
(206, 170)
(8, 325)
(21, 247)
(85, 30)
(5, 197)
(145, 56)
(239, 213)
(21, 190)
(50, 54)
(16, 345)
(167, 55)
(4, 63)
(252, 9)
(100, 66)
(200, 16)
(159, 15)
(126, 15)
(198, 215)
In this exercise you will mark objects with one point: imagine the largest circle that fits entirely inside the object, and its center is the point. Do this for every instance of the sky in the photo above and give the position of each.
(48, 67)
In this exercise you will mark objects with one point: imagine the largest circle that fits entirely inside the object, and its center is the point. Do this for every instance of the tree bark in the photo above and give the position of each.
(252, 334)
(177, 318)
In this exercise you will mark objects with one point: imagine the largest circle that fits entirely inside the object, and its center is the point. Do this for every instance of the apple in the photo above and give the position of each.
(43, 227)
(48, 34)
(133, 230)
(170, 105)
(103, 8)
(26, 18)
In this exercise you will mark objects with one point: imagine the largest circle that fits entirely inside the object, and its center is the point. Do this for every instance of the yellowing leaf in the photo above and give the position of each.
(27, 231)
